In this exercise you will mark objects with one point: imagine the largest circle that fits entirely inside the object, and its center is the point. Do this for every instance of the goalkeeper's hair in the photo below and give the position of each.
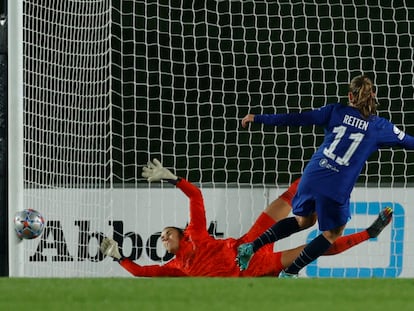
(180, 230)
(364, 99)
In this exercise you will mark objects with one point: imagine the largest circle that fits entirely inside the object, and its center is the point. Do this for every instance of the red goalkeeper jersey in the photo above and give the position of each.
(200, 254)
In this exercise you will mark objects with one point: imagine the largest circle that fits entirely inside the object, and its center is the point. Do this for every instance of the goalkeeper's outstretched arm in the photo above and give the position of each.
(154, 171)
(109, 247)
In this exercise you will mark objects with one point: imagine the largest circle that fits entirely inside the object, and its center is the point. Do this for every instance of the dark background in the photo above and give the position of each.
(184, 73)
(190, 70)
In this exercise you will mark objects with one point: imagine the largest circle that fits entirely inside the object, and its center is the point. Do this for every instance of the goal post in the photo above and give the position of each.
(100, 87)
(15, 132)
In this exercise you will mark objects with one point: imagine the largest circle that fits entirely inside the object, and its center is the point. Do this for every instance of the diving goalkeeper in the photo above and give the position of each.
(199, 254)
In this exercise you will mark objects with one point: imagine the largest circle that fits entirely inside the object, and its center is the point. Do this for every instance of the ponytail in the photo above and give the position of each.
(364, 99)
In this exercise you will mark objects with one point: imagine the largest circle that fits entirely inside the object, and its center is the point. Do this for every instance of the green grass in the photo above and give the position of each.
(255, 294)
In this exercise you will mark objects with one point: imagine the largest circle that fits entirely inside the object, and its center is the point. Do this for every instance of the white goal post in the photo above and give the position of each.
(99, 87)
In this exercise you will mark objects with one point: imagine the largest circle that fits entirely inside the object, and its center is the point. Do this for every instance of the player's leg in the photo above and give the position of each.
(332, 218)
(313, 250)
(340, 245)
(283, 229)
(344, 243)
(279, 230)
(289, 255)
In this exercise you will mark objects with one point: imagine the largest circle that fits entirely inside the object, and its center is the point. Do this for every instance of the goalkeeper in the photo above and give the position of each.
(199, 254)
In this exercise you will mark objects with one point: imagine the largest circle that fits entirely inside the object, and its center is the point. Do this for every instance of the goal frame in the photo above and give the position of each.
(15, 130)
(217, 196)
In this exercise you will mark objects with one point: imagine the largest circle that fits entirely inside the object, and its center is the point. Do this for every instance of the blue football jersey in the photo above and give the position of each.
(349, 141)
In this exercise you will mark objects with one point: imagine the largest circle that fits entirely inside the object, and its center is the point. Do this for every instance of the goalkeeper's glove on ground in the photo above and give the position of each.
(109, 248)
(156, 172)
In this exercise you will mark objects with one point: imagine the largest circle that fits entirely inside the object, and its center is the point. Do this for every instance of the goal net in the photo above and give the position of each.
(110, 84)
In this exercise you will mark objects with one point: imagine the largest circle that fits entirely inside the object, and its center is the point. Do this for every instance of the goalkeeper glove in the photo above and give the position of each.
(109, 248)
(155, 172)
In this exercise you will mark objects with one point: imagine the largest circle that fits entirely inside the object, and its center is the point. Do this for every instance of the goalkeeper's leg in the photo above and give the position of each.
(384, 218)
(344, 243)
(282, 206)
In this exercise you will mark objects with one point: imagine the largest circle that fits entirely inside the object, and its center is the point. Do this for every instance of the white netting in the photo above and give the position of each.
(189, 71)
(67, 64)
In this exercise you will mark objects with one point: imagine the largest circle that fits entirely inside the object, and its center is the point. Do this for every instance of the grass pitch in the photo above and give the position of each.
(156, 294)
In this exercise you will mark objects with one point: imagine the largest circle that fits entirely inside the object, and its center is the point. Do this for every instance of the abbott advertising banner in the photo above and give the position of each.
(77, 220)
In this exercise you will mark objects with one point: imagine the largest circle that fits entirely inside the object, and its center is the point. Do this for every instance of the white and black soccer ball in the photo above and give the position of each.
(29, 224)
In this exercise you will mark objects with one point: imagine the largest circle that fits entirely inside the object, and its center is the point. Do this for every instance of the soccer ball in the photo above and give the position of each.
(28, 224)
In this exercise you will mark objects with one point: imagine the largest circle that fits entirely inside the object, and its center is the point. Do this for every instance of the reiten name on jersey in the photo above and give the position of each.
(356, 122)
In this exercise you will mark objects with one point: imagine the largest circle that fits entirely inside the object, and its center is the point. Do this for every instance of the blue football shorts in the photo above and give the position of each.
(331, 214)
